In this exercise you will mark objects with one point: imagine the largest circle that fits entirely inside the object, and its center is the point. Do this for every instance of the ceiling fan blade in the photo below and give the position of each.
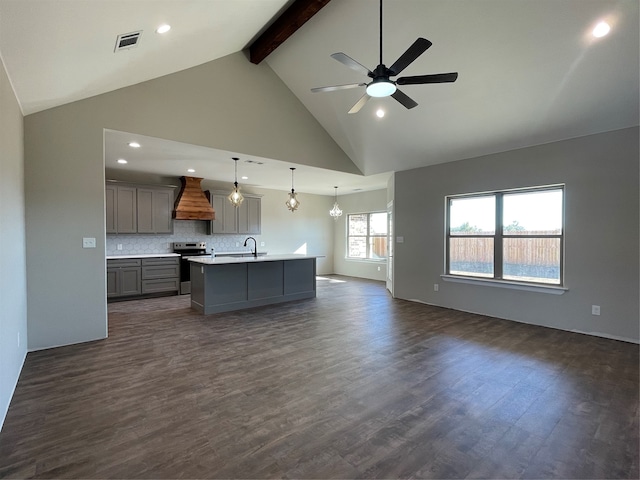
(435, 78)
(405, 100)
(413, 52)
(333, 88)
(360, 103)
(351, 63)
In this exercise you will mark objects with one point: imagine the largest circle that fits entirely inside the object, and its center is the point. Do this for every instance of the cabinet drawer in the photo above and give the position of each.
(161, 285)
(160, 271)
(161, 261)
(125, 262)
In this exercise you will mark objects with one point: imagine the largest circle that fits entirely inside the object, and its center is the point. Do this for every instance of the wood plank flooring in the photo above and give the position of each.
(352, 384)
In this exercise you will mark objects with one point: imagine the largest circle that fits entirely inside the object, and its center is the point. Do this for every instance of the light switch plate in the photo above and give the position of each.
(399, 239)
(89, 242)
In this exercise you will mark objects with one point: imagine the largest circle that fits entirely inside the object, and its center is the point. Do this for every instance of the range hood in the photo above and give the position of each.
(192, 204)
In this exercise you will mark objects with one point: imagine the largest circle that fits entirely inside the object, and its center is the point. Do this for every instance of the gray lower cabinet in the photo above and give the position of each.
(245, 219)
(160, 275)
(124, 278)
(133, 277)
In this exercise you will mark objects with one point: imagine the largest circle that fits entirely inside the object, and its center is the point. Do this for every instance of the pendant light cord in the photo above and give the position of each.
(235, 162)
(380, 32)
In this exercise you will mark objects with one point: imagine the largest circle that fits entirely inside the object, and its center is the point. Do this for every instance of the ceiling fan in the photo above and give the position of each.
(381, 84)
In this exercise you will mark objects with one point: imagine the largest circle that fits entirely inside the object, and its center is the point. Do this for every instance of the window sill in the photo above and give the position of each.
(490, 282)
(366, 260)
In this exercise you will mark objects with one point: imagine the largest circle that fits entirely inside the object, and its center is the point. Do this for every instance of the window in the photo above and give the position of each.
(515, 235)
(367, 236)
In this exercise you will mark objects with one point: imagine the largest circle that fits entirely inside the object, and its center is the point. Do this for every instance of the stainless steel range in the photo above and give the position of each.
(186, 250)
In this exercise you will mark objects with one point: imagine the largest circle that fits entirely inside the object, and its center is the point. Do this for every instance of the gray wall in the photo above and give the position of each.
(602, 226)
(228, 104)
(309, 229)
(13, 283)
(365, 202)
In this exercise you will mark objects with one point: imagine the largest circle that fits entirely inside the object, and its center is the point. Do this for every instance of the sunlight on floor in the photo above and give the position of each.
(331, 280)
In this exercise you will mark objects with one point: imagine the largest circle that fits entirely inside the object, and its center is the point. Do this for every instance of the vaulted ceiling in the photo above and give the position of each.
(530, 72)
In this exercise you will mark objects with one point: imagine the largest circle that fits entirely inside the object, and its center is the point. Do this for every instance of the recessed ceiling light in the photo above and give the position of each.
(122, 160)
(245, 178)
(191, 170)
(134, 144)
(380, 113)
(601, 29)
(164, 28)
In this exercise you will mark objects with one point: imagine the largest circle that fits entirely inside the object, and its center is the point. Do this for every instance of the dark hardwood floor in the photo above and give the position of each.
(352, 384)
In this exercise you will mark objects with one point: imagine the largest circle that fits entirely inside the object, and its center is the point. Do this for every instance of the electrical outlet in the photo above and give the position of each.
(237, 244)
(436, 287)
(119, 247)
(88, 242)
(378, 268)
(262, 244)
(595, 309)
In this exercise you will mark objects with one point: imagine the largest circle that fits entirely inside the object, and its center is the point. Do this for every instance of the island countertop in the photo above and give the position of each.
(266, 258)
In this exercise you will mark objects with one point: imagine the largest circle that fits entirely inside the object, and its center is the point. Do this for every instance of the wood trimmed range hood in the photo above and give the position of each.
(192, 204)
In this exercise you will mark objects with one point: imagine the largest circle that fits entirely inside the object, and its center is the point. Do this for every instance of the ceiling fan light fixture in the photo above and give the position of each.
(381, 88)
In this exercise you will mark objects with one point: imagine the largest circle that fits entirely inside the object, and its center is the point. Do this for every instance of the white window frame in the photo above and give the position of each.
(366, 237)
(498, 237)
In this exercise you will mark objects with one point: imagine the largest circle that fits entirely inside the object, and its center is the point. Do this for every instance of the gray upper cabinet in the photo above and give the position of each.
(122, 215)
(138, 209)
(245, 219)
(226, 217)
(250, 215)
(154, 210)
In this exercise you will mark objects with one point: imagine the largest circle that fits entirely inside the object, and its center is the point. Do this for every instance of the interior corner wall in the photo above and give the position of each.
(364, 202)
(13, 278)
(228, 104)
(601, 175)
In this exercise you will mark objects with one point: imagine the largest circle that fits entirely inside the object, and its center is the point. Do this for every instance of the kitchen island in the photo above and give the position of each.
(223, 284)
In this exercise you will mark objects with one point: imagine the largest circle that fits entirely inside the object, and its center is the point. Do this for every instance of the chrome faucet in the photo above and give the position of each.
(255, 244)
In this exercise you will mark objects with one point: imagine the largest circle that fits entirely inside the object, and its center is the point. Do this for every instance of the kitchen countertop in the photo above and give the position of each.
(265, 258)
(142, 255)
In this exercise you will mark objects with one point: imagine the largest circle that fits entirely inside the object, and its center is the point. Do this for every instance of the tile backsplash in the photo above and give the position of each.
(183, 231)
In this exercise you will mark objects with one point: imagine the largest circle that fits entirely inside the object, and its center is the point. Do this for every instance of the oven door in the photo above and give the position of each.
(185, 271)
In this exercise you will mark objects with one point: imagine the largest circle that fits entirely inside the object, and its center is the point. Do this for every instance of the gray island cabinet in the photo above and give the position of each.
(226, 284)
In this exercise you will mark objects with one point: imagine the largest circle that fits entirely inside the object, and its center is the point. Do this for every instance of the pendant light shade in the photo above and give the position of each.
(335, 212)
(292, 203)
(235, 197)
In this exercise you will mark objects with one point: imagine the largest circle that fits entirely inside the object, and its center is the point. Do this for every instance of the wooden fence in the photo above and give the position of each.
(520, 251)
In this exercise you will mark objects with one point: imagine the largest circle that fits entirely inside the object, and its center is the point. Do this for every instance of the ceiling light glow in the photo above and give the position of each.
(244, 178)
(381, 88)
(601, 29)
(122, 160)
(134, 144)
(191, 170)
(380, 113)
(164, 28)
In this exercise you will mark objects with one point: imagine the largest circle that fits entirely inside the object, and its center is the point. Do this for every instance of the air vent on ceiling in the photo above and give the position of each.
(127, 40)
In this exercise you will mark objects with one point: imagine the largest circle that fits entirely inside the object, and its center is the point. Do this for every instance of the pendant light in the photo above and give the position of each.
(335, 212)
(235, 197)
(293, 203)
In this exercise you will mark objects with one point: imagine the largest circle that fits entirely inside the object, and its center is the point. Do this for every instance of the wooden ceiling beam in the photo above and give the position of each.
(285, 25)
